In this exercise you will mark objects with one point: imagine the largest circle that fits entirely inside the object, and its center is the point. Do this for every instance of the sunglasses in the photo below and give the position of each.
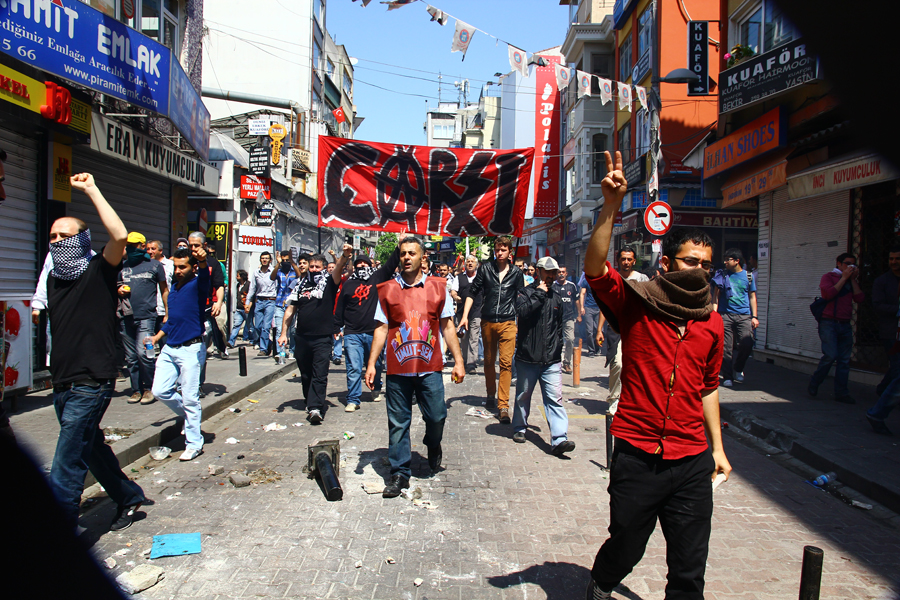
(695, 262)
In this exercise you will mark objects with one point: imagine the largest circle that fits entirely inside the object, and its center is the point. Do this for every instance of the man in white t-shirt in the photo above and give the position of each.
(155, 250)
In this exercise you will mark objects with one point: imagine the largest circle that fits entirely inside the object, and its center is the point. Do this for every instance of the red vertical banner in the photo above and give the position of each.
(547, 149)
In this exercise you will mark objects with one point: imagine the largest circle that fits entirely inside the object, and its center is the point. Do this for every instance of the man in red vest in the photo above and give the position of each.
(413, 311)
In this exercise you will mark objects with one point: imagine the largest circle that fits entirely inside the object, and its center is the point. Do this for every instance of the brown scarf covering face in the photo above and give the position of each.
(681, 296)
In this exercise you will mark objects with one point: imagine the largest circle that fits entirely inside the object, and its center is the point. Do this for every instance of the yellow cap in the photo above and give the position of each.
(136, 238)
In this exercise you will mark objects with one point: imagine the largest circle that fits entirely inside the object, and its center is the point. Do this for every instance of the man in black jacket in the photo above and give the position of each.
(539, 355)
(501, 282)
(886, 300)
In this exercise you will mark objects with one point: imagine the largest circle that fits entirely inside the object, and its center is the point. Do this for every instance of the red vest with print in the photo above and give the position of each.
(414, 320)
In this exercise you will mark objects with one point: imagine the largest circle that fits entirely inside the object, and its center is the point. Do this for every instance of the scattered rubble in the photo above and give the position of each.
(140, 578)
(239, 480)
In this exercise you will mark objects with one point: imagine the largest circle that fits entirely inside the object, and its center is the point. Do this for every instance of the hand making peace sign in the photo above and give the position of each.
(614, 184)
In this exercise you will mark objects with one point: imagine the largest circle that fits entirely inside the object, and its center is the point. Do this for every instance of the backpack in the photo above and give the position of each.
(817, 307)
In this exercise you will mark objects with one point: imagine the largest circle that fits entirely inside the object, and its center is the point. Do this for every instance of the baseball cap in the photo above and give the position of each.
(548, 264)
(136, 238)
(363, 258)
(179, 240)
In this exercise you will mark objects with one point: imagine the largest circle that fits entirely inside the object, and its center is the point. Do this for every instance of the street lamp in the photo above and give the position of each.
(676, 76)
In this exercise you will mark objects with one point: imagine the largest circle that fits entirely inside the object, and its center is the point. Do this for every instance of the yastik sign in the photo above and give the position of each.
(658, 218)
(757, 137)
(420, 189)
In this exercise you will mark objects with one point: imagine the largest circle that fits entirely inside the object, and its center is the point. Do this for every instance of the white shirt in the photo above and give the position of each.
(169, 268)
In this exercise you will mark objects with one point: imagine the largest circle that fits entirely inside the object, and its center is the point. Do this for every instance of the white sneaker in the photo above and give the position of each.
(190, 454)
(376, 396)
(728, 383)
(739, 378)
(314, 416)
(351, 407)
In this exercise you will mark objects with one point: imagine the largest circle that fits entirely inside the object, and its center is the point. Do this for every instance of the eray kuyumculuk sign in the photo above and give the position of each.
(766, 74)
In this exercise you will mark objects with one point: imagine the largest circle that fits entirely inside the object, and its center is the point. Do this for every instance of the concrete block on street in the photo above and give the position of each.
(239, 480)
(216, 469)
(140, 578)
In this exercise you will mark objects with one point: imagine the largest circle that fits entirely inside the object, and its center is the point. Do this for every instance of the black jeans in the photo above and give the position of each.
(738, 342)
(313, 354)
(642, 488)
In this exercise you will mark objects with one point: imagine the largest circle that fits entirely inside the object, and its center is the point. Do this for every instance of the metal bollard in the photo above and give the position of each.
(329, 478)
(811, 573)
(576, 366)
(242, 361)
(609, 441)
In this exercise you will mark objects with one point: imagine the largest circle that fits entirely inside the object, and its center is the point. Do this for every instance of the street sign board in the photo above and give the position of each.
(258, 126)
(658, 218)
(259, 161)
(698, 57)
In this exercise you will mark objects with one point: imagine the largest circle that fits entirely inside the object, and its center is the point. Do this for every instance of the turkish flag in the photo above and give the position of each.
(339, 114)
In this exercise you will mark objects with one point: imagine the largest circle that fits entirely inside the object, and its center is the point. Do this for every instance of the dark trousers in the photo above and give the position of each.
(738, 342)
(893, 371)
(643, 488)
(313, 353)
(429, 389)
(589, 322)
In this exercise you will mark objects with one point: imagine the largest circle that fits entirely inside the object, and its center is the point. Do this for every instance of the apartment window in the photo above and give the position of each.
(329, 67)
(751, 29)
(645, 35)
(625, 143)
(107, 7)
(778, 29)
(320, 12)
(601, 66)
(625, 59)
(347, 84)
(443, 131)
(598, 159)
(317, 57)
(764, 27)
(316, 104)
(150, 18)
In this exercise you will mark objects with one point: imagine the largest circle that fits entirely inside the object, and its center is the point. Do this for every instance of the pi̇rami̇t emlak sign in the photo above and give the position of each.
(420, 189)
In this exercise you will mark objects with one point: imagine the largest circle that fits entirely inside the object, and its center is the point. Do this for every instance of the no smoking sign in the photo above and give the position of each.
(658, 218)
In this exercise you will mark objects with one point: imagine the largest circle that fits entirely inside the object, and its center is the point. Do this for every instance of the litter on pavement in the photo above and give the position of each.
(231, 440)
(175, 544)
(479, 412)
(274, 427)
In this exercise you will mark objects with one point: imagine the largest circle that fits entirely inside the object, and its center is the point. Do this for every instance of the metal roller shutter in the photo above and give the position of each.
(19, 215)
(763, 276)
(807, 235)
(142, 201)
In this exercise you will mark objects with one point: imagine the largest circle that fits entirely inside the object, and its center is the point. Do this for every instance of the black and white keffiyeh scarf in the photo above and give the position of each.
(71, 256)
(312, 285)
(362, 273)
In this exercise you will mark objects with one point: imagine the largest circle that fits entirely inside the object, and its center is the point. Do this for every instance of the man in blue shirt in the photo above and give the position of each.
(286, 276)
(590, 317)
(183, 355)
(734, 296)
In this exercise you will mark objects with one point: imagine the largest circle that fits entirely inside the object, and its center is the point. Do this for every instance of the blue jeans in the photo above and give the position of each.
(886, 402)
(550, 378)
(893, 367)
(837, 344)
(182, 366)
(265, 312)
(240, 318)
(400, 389)
(279, 319)
(81, 447)
(337, 347)
(139, 365)
(358, 346)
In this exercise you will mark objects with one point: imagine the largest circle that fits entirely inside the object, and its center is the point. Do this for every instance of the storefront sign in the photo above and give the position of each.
(83, 45)
(756, 184)
(59, 171)
(762, 249)
(259, 161)
(220, 232)
(255, 239)
(112, 138)
(264, 215)
(765, 75)
(252, 187)
(258, 126)
(698, 57)
(641, 67)
(757, 137)
(636, 171)
(569, 153)
(53, 102)
(852, 173)
(723, 219)
(15, 353)
(555, 234)
(546, 141)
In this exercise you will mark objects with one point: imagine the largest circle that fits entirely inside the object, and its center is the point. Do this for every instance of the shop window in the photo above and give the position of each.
(645, 35)
(625, 143)
(598, 159)
(625, 59)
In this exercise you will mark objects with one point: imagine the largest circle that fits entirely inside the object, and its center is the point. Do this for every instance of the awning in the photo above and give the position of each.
(760, 176)
(295, 213)
(844, 172)
(222, 147)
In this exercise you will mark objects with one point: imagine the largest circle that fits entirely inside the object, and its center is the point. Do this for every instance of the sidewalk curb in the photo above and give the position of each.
(807, 451)
(138, 444)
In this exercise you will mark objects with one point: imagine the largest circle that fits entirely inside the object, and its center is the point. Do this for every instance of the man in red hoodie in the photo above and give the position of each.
(841, 287)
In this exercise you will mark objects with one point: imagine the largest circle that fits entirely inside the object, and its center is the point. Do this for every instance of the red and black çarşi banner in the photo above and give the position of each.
(420, 189)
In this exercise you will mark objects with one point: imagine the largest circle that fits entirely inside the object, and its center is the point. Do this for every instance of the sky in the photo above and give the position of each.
(412, 51)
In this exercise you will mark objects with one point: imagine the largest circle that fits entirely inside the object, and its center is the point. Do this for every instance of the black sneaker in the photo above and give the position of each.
(519, 437)
(879, 426)
(124, 517)
(314, 417)
(595, 593)
(337, 361)
(490, 403)
(398, 483)
(435, 454)
(563, 447)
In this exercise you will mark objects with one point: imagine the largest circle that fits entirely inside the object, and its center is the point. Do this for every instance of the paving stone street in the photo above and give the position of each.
(502, 520)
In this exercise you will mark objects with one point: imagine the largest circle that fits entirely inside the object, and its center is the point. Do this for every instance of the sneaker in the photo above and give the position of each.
(728, 383)
(739, 378)
(845, 399)
(504, 416)
(490, 403)
(190, 454)
(314, 416)
(147, 397)
(435, 455)
(135, 398)
(567, 369)
(225, 354)
(398, 483)
(336, 361)
(262, 353)
(595, 593)
(376, 395)
(351, 407)
(124, 517)
(878, 426)
(519, 437)
(563, 447)
(201, 393)
(812, 392)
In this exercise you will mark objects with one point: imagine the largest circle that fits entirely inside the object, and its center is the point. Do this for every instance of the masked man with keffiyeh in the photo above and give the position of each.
(355, 312)
(313, 301)
(81, 303)
(663, 467)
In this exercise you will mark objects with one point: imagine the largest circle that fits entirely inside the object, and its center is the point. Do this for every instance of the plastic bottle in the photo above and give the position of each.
(821, 480)
(148, 346)
(282, 358)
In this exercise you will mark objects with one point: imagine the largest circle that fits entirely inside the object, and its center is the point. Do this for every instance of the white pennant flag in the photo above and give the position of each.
(462, 37)
(584, 84)
(642, 95)
(518, 60)
(563, 75)
(395, 4)
(605, 90)
(624, 96)
(438, 15)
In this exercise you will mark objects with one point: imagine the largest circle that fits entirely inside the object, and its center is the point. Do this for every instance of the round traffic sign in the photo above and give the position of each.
(658, 218)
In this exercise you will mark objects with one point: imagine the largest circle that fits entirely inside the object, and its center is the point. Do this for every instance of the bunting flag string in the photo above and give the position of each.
(395, 4)
(605, 90)
(584, 84)
(624, 96)
(462, 37)
(518, 60)
(642, 96)
(562, 76)
(438, 15)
